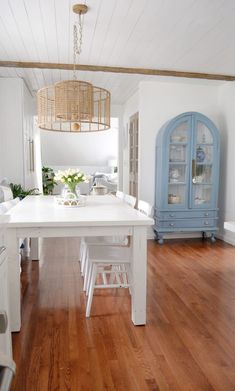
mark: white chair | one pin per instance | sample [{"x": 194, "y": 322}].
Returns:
[
  {"x": 109, "y": 266},
  {"x": 120, "y": 194},
  {"x": 4, "y": 207},
  {"x": 130, "y": 200},
  {"x": 145, "y": 207},
  {"x": 103, "y": 240}
]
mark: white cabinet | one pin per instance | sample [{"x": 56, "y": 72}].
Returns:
[
  {"x": 17, "y": 109},
  {"x": 5, "y": 337}
]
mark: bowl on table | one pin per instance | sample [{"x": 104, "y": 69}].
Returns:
[{"x": 99, "y": 190}]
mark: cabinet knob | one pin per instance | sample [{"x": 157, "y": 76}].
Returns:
[
  {"x": 206, "y": 214},
  {"x": 171, "y": 224},
  {"x": 172, "y": 215},
  {"x": 206, "y": 222}
]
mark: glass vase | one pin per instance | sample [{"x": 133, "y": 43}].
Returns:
[{"x": 71, "y": 191}]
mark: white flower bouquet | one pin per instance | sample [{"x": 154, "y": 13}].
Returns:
[{"x": 71, "y": 177}]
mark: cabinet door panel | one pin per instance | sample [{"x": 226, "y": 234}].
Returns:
[
  {"x": 203, "y": 174},
  {"x": 177, "y": 162},
  {"x": 203, "y": 180},
  {"x": 203, "y": 133},
  {"x": 180, "y": 132},
  {"x": 5, "y": 338},
  {"x": 202, "y": 195}
]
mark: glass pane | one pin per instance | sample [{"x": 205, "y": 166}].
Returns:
[
  {"x": 202, "y": 194},
  {"x": 204, "y": 154},
  {"x": 176, "y": 194},
  {"x": 177, "y": 153},
  {"x": 204, "y": 135},
  {"x": 203, "y": 173},
  {"x": 176, "y": 173},
  {"x": 179, "y": 134}
]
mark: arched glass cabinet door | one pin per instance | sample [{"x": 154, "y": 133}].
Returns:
[
  {"x": 178, "y": 163},
  {"x": 205, "y": 149}
]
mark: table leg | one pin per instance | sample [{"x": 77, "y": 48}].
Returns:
[
  {"x": 13, "y": 261},
  {"x": 27, "y": 247},
  {"x": 139, "y": 276}
]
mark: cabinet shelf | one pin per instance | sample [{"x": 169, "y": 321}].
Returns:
[
  {"x": 204, "y": 145},
  {"x": 204, "y": 163},
  {"x": 176, "y": 183},
  {"x": 177, "y": 162},
  {"x": 203, "y": 184},
  {"x": 178, "y": 143}
]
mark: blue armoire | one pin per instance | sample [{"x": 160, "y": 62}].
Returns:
[{"x": 187, "y": 176}]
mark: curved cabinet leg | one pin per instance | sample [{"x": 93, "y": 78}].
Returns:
[
  {"x": 213, "y": 239},
  {"x": 159, "y": 237},
  {"x": 203, "y": 235}
]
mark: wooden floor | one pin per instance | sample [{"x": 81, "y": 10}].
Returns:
[{"x": 187, "y": 344}]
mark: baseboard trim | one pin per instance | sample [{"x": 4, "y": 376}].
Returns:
[{"x": 227, "y": 237}]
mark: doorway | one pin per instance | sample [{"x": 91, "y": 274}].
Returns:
[{"x": 133, "y": 154}]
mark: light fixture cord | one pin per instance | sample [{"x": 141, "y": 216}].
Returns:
[{"x": 77, "y": 41}]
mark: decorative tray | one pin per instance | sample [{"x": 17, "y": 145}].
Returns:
[{"x": 71, "y": 202}]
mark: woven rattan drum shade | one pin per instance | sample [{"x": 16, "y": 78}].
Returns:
[
  {"x": 73, "y": 106},
  {"x": 73, "y": 100}
]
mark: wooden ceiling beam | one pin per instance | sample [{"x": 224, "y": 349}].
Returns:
[{"x": 100, "y": 68}]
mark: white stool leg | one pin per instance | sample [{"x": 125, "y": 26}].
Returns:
[
  {"x": 125, "y": 273},
  {"x": 91, "y": 290},
  {"x": 87, "y": 275},
  {"x": 104, "y": 278}
]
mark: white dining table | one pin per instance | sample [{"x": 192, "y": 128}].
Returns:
[{"x": 107, "y": 215}]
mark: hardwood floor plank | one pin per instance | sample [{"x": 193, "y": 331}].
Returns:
[{"x": 187, "y": 344}]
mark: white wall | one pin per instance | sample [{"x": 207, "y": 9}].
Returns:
[
  {"x": 85, "y": 149},
  {"x": 16, "y": 130},
  {"x": 227, "y": 181},
  {"x": 159, "y": 102},
  {"x": 11, "y": 119}
]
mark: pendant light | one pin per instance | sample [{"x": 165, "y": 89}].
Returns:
[{"x": 74, "y": 105}]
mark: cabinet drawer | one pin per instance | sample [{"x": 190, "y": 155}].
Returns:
[
  {"x": 186, "y": 214},
  {"x": 186, "y": 223}
]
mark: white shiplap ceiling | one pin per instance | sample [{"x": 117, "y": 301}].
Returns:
[{"x": 183, "y": 35}]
